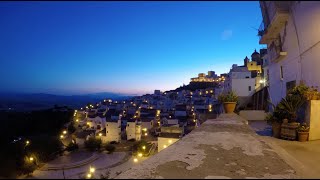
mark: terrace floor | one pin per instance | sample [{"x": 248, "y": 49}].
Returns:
[
  {"x": 225, "y": 147},
  {"x": 302, "y": 156}
]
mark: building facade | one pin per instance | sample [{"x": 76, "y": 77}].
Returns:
[{"x": 290, "y": 29}]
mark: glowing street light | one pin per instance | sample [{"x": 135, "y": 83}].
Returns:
[
  {"x": 89, "y": 175},
  {"x": 100, "y": 134},
  {"x": 27, "y": 142},
  {"x": 164, "y": 146},
  {"x": 146, "y": 134},
  {"x": 77, "y": 120},
  {"x": 64, "y": 132},
  {"x": 140, "y": 154},
  {"x": 135, "y": 160},
  {"x": 92, "y": 169},
  {"x": 144, "y": 147},
  {"x": 170, "y": 141},
  {"x": 31, "y": 159},
  {"x": 61, "y": 137}
]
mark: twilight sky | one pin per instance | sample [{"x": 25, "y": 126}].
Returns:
[{"x": 125, "y": 47}]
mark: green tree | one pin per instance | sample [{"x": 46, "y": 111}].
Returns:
[
  {"x": 71, "y": 128},
  {"x": 93, "y": 144},
  {"x": 110, "y": 148}
]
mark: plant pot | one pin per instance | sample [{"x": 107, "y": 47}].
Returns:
[
  {"x": 229, "y": 107},
  {"x": 303, "y": 136},
  {"x": 276, "y": 127},
  {"x": 289, "y": 130}
]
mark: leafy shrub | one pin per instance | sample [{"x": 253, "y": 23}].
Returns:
[
  {"x": 230, "y": 96},
  {"x": 137, "y": 146},
  {"x": 71, "y": 128},
  {"x": 28, "y": 167},
  {"x": 93, "y": 144},
  {"x": 113, "y": 142},
  {"x": 303, "y": 128},
  {"x": 290, "y": 105},
  {"x": 72, "y": 146},
  {"x": 109, "y": 147},
  {"x": 132, "y": 140}
]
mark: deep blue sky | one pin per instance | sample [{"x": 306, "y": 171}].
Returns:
[{"x": 126, "y": 47}]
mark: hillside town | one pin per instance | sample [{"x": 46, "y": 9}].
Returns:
[
  {"x": 271, "y": 129},
  {"x": 169, "y": 115}
]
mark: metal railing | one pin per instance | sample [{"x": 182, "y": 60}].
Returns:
[{"x": 261, "y": 30}]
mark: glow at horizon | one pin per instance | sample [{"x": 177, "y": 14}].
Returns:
[{"x": 123, "y": 47}]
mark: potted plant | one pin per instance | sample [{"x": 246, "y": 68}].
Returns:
[
  {"x": 290, "y": 106},
  {"x": 276, "y": 118},
  {"x": 229, "y": 101},
  {"x": 303, "y": 132},
  {"x": 309, "y": 93},
  {"x": 312, "y": 94}
]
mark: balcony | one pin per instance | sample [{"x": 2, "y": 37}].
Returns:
[{"x": 278, "y": 14}]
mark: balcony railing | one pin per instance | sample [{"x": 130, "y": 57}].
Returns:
[
  {"x": 275, "y": 16},
  {"x": 261, "y": 30}
]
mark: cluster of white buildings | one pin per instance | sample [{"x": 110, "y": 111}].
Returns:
[{"x": 162, "y": 114}]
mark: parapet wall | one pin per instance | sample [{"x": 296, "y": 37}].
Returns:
[{"x": 225, "y": 147}]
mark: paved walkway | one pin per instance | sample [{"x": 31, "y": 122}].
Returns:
[
  {"x": 104, "y": 161},
  {"x": 304, "y": 157},
  {"x": 225, "y": 147}
]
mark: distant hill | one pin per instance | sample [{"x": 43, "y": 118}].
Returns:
[
  {"x": 36, "y": 101},
  {"x": 192, "y": 86}
]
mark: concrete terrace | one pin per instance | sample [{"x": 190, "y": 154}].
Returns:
[{"x": 225, "y": 147}]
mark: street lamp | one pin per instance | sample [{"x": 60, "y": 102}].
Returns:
[
  {"x": 92, "y": 169},
  {"x": 64, "y": 132},
  {"x": 135, "y": 160},
  {"x": 89, "y": 175},
  {"x": 144, "y": 147},
  {"x": 27, "y": 143}
]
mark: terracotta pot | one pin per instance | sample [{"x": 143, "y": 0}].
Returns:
[
  {"x": 276, "y": 127},
  {"x": 229, "y": 107},
  {"x": 303, "y": 136}
]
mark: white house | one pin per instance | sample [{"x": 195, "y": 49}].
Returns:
[
  {"x": 240, "y": 81},
  {"x": 133, "y": 130},
  {"x": 96, "y": 122},
  {"x": 290, "y": 29},
  {"x": 113, "y": 130}
]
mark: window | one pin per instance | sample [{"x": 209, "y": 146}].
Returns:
[
  {"x": 247, "y": 77},
  {"x": 281, "y": 73},
  {"x": 249, "y": 88}
]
